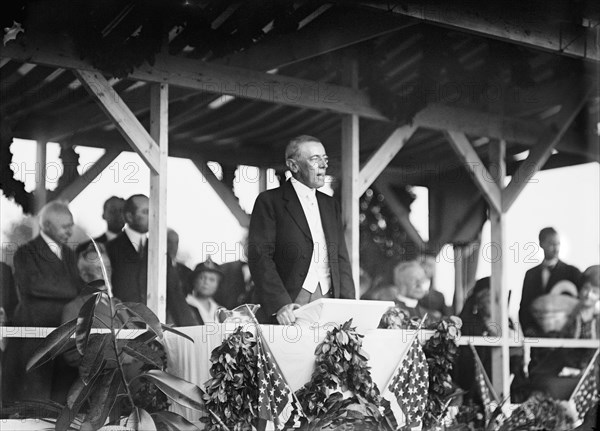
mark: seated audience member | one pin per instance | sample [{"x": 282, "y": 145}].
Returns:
[
  {"x": 434, "y": 299},
  {"x": 584, "y": 321},
  {"x": 47, "y": 278},
  {"x": 410, "y": 283},
  {"x": 541, "y": 279},
  {"x": 181, "y": 270},
  {"x": 204, "y": 282}
]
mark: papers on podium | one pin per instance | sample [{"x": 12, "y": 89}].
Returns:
[{"x": 328, "y": 311}]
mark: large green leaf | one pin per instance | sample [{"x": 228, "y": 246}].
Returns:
[
  {"x": 92, "y": 361},
  {"x": 144, "y": 353},
  {"x": 140, "y": 419},
  {"x": 144, "y": 313},
  {"x": 65, "y": 419},
  {"x": 170, "y": 421},
  {"x": 181, "y": 391},
  {"x": 175, "y": 331},
  {"x": 52, "y": 345},
  {"x": 103, "y": 399},
  {"x": 85, "y": 319}
]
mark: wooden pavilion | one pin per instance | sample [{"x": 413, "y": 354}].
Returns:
[{"x": 456, "y": 98}]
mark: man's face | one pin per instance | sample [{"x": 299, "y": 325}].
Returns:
[
  {"x": 310, "y": 164},
  {"x": 413, "y": 282},
  {"x": 551, "y": 246},
  {"x": 59, "y": 226},
  {"x": 206, "y": 284},
  {"x": 138, "y": 221},
  {"x": 113, "y": 214}
]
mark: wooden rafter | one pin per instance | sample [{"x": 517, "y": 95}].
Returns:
[
  {"x": 532, "y": 27},
  {"x": 72, "y": 190},
  {"x": 540, "y": 153},
  {"x": 224, "y": 192},
  {"x": 382, "y": 157},
  {"x": 125, "y": 121},
  {"x": 335, "y": 29},
  {"x": 469, "y": 158},
  {"x": 212, "y": 78}
]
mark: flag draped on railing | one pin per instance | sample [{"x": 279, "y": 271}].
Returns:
[
  {"x": 276, "y": 401},
  {"x": 488, "y": 395},
  {"x": 585, "y": 393},
  {"x": 409, "y": 386}
]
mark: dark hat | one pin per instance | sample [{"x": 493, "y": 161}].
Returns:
[{"x": 208, "y": 266}]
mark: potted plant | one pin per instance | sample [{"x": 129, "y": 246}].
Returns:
[{"x": 105, "y": 391}]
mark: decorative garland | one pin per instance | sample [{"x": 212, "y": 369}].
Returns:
[
  {"x": 232, "y": 392},
  {"x": 341, "y": 366}
]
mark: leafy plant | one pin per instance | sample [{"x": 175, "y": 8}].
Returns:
[
  {"x": 441, "y": 350},
  {"x": 340, "y": 369},
  {"x": 232, "y": 392},
  {"x": 103, "y": 381}
]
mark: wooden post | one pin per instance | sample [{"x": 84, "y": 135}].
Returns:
[
  {"x": 40, "y": 195},
  {"x": 350, "y": 175},
  {"x": 459, "y": 279},
  {"x": 157, "y": 251},
  {"x": 499, "y": 288}
]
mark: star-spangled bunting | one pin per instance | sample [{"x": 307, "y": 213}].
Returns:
[
  {"x": 488, "y": 395},
  {"x": 276, "y": 401},
  {"x": 410, "y": 385},
  {"x": 586, "y": 391}
]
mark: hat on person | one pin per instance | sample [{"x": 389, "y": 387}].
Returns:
[
  {"x": 564, "y": 287},
  {"x": 208, "y": 266}
]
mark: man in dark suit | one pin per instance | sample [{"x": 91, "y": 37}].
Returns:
[
  {"x": 540, "y": 279},
  {"x": 112, "y": 213},
  {"x": 128, "y": 254},
  {"x": 296, "y": 247},
  {"x": 47, "y": 278}
]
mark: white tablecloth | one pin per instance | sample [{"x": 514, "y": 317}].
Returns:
[{"x": 293, "y": 347}]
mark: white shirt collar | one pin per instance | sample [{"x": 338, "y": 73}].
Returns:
[
  {"x": 208, "y": 314},
  {"x": 302, "y": 189},
  {"x": 135, "y": 237},
  {"x": 550, "y": 263},
  {"x": 54, "y": 246},
  {"x": 409, "y": 302}
]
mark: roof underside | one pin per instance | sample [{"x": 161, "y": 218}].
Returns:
[{"x": 404, "y": 64}]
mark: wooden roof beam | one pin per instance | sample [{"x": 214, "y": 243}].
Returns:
[
  {"x": 125, "y": 121},
  {"x": 382, "y": 157},
  {"x": 224, "y": 192},
  {"x": 335, "y": 29},
  {"x": 531, "y": 26},
  {"x": 212, "y": 78},
  {"x": 473, "y": 164}
]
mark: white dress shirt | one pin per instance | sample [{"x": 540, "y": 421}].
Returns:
[
  {"x": 54, "y": 246},
  {"x": 318, "y": 271},
  {"x": 136, "y": 238}
]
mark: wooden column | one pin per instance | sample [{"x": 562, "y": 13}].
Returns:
[
  {"x": 157, "y": 252},
  {"x": 350, "y": 177},
  {"x": 499, "y": 288},
  {"x": 459, "y": 278},
  {"x": 40, "y": 195}
]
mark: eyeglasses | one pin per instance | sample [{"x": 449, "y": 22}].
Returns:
[{"x": 318, "y": 160}]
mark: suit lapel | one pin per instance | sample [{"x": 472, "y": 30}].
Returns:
[
  {"x": 48, "y": 255},
  {"x": 326, "y": 214},
  {"x": 294, "y": 208}
]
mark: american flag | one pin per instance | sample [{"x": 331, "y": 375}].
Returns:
[
  {"x": 409, "y": 385},
  {"x": 586, "y": 391},
  {"x": 488, "y": 395},
  {"x": 276, "y": 401}
]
